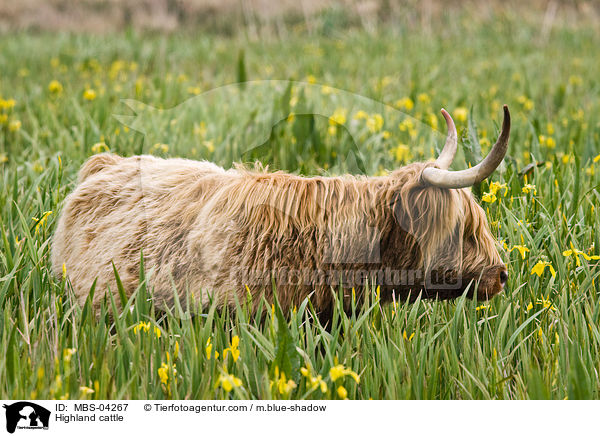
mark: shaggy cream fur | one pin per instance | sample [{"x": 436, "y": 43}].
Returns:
[{"x": 223, "y": 234}]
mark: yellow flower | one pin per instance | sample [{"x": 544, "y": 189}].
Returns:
[
  {"x": 3, "y": 118},
  {"x": 597, "y": 159},
  {"x": 99, "y": 147},
  {"x": 541, "y": 266},
  {"x": 460, "y": 113},
  {"x": 521, "y": 248},
  {"x": 229, "y": 381},
  {"x": 194, "y": 90},
  {"x": 89, "y": 94},
  {"x": 576, "y": 253},
  {"x": 208, "y": 350},
  {"x": 401, "y": 152},
  {"x": 139, "y": 85},
  {"x": 488, "y": 197},
  {"x": 526, "y": 102},
  {"x": 496, "y": 186},
  {"x": 405, "y": 103},
  {"x": 176, "y": 351},
  {"x": 338, "y": 117},
  {"x": 336, "y": 372},
  {"x": 375, "y": 123},
  {"x": 210, "y": 146},
  {"x": 590, "y": 171},
  {"x": 546, "y": 303},
  {"x": 235, "y": 353},
  {"x": 145, "y": 327},
  {"x": 68, "y": 353},
  {"x": 339, "y": 371},
  {"x": 284, "y": 386},
  {"x": 3, "y": 158},
  {"x": 141, "y": 326},
  {"x": 86, "y": 391},
  {"x": 361, "y": 115},
  {"x": 547, "y": 141},
  {"x": 163, "y": 373},
  {"x": 529, "y": 306},
  {"x": 432, "y": 120},
  {"x": 41, "y": 222},
  {"x": 542, "y": 139},
  {"x": 200, "y": 129},
  {"x": 423, "y": 98},
  {"x": 529, "y": 188},
  {"x": 314, "y": 382},
  {"x": 482, "y": 307},
  {"x": 55, "y": 87},
  {"x": 575, "y": 80},
  {"x": 406, "y": 125},
  {"x": 14, "y": 125},
  {"x": 577, "y": 115},
  {"x": 406, "y": 337},
  {"x": 342, "y": 392},
  {"x": 161, "y": 147},
  {"x": 326, "y": 90},
  {"x": 7, "y": 104}
]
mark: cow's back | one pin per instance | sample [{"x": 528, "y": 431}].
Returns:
[{"x": 123, "y": 206}]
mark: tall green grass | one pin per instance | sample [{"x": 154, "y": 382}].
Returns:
[{"x": 540, "y": 339}]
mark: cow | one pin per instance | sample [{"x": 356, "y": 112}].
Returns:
[{"x": 210, "y": 234}]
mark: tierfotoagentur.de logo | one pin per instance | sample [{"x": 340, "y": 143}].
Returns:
[{"x": 25, "y": 415}]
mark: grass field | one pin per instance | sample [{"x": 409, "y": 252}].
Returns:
[{"x": 540, "y": 339}]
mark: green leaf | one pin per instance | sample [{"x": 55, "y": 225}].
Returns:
[
  {"x": 242, "y": 76},
  {"x": 287, "y": 358}
]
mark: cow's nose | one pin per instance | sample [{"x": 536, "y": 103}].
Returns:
[{"x": 503, "y": 277}]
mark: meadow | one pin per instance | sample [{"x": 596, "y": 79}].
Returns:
[{"x": 540, "y": 339}]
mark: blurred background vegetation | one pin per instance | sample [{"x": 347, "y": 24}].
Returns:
[{"x": 260, "y": 18}]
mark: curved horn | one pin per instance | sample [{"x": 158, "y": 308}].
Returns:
[
  {"x": 446, "y": 157},
  {"x": 443, "y": 178}
]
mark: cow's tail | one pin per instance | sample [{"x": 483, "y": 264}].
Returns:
[{"x": 96, "y": 164}]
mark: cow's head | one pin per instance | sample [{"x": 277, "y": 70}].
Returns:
[{"x": 446, "y": 228}]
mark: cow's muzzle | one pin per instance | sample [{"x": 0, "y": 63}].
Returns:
[{"x": 492, "y": 281}]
